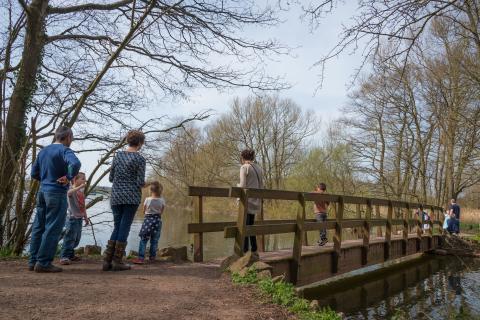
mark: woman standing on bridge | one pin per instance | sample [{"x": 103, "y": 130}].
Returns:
[
  {"x": 127, "y": 175},
  {"x": 251, "y": 176}
]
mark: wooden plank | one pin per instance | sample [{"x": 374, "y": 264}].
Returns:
[
  {"x": 241, "y": 223},
  {"x": 261, "y": 239},
  {"x": 208, "y": 226},
  {"x": 267, "y": 194},
  {"x": 388, "y": 233},
  {"x": 208, "y": 192},
  {"x": 198, "y": 237},
  {"x": 400, "y": 204},
  {"x": 358, "y": 211},
  {"x": 312, "y": 196},
  {"x": 366, "y": 233},
  {"x": 315, "y": 226},
  {"x": 397, "y": 222},
  {"x": 379, "y": 226},
  {"x": 378, "y": 223},
  {"x": 380, "y": 202},
  {"x": 337, "y": 237},
  {"x": 352, "y": 223},
  {"x": 256, "y": 230},
  {"x": 406, "y": 216},
  {"x": 295, "y": 264},
  {"x": 354, "y": 200}
]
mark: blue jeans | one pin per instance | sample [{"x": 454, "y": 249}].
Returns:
[
  {"x": 73, "y": 233},
  {"x": 153, "y": 244},
  {"x": 123, "y": 215},
  {"x": 47, "y": 227}
]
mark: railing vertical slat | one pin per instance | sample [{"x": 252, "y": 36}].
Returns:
[
  {"x": 296, "y": 263},
  {"x": 358, "y": 210},
  {"x": 261, "y": 239},
  {"x": 388, "y": 231},
  {"x": 198, "y": 237},
  {"x": 241, "y": 223},
  {"x": 366, "y": 232},
  {"x": 377, "y": 215},
  {"x": 337, "y": 238},
  {"x": 406, "y": 216}
]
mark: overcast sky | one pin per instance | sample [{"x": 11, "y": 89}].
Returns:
[{"x": 297, "y": 69}]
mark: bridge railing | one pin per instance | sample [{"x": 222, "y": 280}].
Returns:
[{"x": 299, "y": 226}]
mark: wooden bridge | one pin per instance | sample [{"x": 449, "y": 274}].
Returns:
[{"x": 304, "y": 264}]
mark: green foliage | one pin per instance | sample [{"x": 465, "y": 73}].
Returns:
[
  {"x": 283, "y": 293},
  {"x": 6, "y": 252}
]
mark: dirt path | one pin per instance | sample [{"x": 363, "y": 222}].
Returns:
[{"x": 155, "y": 291}]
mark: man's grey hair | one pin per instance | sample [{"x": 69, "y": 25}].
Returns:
[{"x": 63, "y": 133}]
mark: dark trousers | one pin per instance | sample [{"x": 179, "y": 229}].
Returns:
[
  {"x": 123, "y": 215},
  {"x": 253, "y": 239},
  {"x": 321, "y": 217}
]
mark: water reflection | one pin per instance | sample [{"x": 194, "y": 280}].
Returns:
[{"x": 435, "y": 288}]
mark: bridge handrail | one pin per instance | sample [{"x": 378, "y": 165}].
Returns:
[{"x": 272, "y": 194}]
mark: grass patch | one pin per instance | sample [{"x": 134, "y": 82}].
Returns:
[
  {"x": 283, "y": 293},
  {"x": 6, "y": 252}
]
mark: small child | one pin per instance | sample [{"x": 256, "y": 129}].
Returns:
[
  {"x": 152, "y": 224},
  {"x": 445, "y": 221},
  {"x": 320, "y": 209},
  {"x": 73, "y": 225}
]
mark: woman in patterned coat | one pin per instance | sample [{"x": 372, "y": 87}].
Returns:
[{"x": 127, "y": 175}]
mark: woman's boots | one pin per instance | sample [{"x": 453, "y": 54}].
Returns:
[
  {"x": 117, "y": 263},
  {"x": 108, "y": 255}
]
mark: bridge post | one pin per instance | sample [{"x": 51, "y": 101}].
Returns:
[
  {"x": 419, "y": 232},
  {"x": 366, "y": 232},
  {"x": 198, "y": 237},
  {"x": 296, "y": 263},
  {"x": 377, "y": 216},
  {"x": 406, "y": 216},
  {"x": 358, "y": 210},
  {"x": 241, "y": 222},
  {"x": 261, "y": 239},
  {"x": 388, "y": 232},
  {"x": 337, "y": 237}
]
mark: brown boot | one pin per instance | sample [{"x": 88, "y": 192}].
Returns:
[
  {"x": 117, "y": 263},
  {"x": 108, "y": 256}
]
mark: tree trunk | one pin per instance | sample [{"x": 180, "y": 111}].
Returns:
[{"x": 15, "y": 127}]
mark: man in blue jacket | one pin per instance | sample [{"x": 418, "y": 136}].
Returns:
[{"x": 54, "y": 167}]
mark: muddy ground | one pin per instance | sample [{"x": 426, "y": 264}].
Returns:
[{"x": 153, "y": 291}]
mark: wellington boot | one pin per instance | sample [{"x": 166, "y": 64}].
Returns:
[
  {"x": 117, "y": 263},
  {"x": 108, "y": 256}
]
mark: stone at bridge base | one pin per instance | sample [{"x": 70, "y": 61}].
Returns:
[
  {"x": 228, "y": 261},
  {"x": 92, "y": 250},
  {"x": 177, "y": 254},
  {"x": 314, "y": 305},
  {"x": 243, "y": 262}
]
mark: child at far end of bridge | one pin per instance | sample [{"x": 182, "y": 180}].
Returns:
[
  {"x": 153, "y": 208},
  {"x": 320, "y": 209},
  {"x": 76, "y": 213}
]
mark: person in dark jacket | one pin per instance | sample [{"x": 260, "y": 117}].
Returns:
[
  {"x": 55, "y": 166},
  {"x": 127, "y": 175}
]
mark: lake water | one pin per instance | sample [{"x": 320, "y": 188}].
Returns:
[{"x": 432, "y": 288}]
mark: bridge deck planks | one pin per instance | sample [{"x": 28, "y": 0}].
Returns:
[{"x": 286, "y": 254}]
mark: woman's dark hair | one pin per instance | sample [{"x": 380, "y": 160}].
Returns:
[
  {"x": 156, "y": 187},
  {"x": 135, "y": 138},
  {"x": 63, "y": 133},
  {"x": 248, "y": 154}
]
